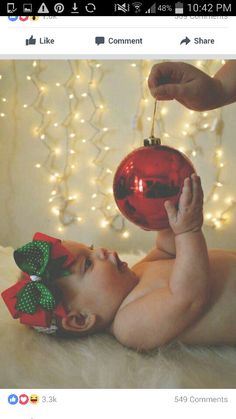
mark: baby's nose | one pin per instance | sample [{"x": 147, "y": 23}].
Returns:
[{"x": 102, "y": 253}]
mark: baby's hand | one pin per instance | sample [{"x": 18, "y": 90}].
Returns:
[{"x": 189, "y": 215}]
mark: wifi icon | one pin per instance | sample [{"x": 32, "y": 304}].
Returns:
[{"x": 137, "y": 5}]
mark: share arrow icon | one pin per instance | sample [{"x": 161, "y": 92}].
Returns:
[{"x": 186, "y": 41}]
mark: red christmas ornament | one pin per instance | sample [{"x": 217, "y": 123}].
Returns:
[{"x": 145, "y": 179}]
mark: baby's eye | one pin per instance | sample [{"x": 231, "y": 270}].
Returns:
[{"x": 87, "y": 264}]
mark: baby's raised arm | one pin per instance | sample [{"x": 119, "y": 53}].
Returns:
[
  {"x": 162, "y": 314},
  {"x": 191, "y": 268}
]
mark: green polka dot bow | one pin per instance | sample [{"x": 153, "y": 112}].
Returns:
[
  {"x": 35, "y": 294},
  {"x": 35, "y": 259}
]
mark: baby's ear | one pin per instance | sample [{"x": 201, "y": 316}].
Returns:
[{"x": 79, "y": 322}]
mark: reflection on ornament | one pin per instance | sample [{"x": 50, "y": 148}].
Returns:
[{"x": 145, "y": 179}]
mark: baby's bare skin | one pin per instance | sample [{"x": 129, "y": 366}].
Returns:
[
  {"x": 179, "y": 292},
  {"x": 217, "y": 323}
]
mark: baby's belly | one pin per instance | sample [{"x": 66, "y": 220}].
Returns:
[{"x": 218, "y": 323}]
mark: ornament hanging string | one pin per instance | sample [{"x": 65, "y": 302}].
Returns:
[{"x": 153, "y": 120}]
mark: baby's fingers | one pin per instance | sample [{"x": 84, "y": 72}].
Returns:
[
  {"x": 197, "y": 190},
  {"x": 186, "y": 195},
  {"x": 171, "y": 210}
]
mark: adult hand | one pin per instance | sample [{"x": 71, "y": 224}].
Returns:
[{"x": 187, "y": 84}]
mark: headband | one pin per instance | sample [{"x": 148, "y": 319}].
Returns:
[{"x": 31, "y": 300}]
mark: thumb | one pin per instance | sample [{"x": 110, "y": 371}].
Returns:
[
  {"x": 166, "y": 91},
  {"x": 170, "y": 209}
]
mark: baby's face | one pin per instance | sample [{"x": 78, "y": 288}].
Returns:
[{"x": 99, "y": 281}]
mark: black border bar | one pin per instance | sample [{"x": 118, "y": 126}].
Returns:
[{"x": 120, "y": 8}]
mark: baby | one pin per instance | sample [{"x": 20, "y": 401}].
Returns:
[{"x": 179, "y": 291}]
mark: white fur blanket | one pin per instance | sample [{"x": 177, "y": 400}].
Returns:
[{"x": 31, "y": 360}]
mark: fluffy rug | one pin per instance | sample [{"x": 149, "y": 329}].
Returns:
[{"x": 31, "y": 360}]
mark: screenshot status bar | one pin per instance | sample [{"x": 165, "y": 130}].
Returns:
[{"x": 136, "y": 8}]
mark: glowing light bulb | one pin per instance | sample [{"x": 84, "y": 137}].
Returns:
[
  {"x": 229, "y": 200},
  {"x": 38, "y": 165},
  {"x": 215, "y": 197},
  {"x": 125, "y": 235},
  {"x": 164, "y": 111},
  {"x": 104, "y": 223},
  {"x": 218, "y": 224},
  {"x": 55, "y": 211}
]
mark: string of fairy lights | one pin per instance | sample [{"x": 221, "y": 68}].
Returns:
[
  {"x": 82, "y": 123},
  {"x": 78, "y": 92}
]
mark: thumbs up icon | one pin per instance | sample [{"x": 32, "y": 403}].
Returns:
[{"x": 30, "y": 41}]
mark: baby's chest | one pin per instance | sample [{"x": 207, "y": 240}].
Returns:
[{"x": 153, "y": 275}]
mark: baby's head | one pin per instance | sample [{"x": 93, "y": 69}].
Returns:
[
  {"x": 94, "y": 290},
  {"x": 88, "y": 290}
]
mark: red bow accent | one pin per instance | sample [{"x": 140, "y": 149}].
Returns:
[{"x": 41, "y": 318}]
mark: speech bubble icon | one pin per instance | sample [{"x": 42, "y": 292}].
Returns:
[{"x": 100, "y": 40}]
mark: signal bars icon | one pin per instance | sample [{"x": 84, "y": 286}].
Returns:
[{"x": 152, "y": 10}]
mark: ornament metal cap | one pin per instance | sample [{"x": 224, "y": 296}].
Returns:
[{"x": 151, "y": 141}]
